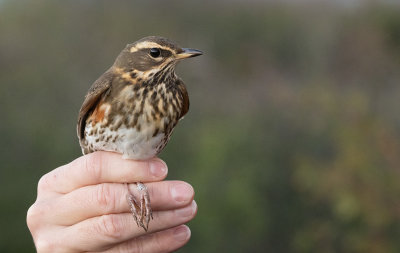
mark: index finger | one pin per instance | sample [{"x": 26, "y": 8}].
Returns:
[{"x": 101, "y": 167}]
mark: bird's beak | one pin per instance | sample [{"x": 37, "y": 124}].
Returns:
[{"x": 188, "y": 52}]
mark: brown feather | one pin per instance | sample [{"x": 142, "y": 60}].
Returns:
[
  {"x": 95, "y": 93},
  {"x": 184, "y": 96},
  {"x": 185, "y": 107}
]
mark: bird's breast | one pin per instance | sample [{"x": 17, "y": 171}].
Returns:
[{"x": 136, "y": 121}]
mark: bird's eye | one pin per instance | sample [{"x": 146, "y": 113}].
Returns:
[{"x": 155, "y": 52}]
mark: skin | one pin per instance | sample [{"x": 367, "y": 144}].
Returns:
[{"x": 82, "y": 207}]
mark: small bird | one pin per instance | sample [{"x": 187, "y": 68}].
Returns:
[{"x": 134, "y": 106}]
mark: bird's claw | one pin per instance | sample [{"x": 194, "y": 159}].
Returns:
[{"x": 141, "y": 210}]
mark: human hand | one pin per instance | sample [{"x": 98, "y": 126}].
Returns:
[{"x": 82, "y": 207}]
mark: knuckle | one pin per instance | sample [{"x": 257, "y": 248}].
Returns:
[
  {"x": 45, "y": 245},
  {"x": 109, "y": 226},
  {"x": 105, "y": 196},
  {"x": 159, "y": 246},
  {"x": 48, "y": 182},
  {"x": 138, "y": 247},
  {"x": 92, "y": 165},
  {"x": 44, "y": 183},
  {"x": 33, "y": 216},
  {"x": 135, "y": 245}
]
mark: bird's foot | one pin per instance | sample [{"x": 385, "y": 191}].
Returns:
[{"x": 140, "y": 207}]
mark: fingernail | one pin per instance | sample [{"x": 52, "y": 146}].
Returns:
[
  {"x": 182, "y": 192},
  {"x": 158, "y": 168},
  {"x": 187, "y": 211},
  {"x": 182, "y": 233}
]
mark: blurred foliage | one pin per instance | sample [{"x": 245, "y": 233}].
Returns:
[{"x": 292, "y": 140}]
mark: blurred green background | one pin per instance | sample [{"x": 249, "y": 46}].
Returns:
[{"x": 292, "y": 142}]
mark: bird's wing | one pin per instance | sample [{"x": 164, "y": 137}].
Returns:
[
  {"x": 185, "y": 98},
  {"x": 98, "y": 88}
]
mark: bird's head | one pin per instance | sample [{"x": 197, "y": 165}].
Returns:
[{"x": 151, "y": 55}]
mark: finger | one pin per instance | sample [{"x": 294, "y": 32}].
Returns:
[
  {"x": 103, "y": 232},
  {"x": 107, "y": 198},
  {"x": 163, "y": 241},
  {"x": 101, "y": 167}
]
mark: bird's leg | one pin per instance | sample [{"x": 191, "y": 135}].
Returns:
[{"x": 141, "y": 210}]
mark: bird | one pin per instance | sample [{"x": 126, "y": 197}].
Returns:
[{"x": 133, "y": 108}]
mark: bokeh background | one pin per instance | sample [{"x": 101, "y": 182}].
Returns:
[{"x": 292, "y": 142}]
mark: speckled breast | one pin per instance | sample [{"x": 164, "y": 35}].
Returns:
[{"x": 134, "y": 120}]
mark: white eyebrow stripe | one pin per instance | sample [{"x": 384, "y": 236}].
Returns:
[{"x": 146, "y": 44}]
